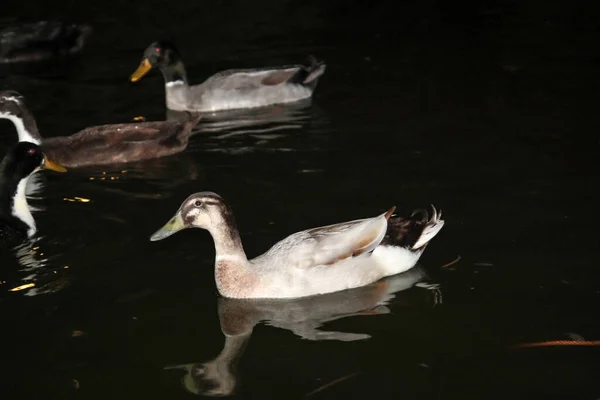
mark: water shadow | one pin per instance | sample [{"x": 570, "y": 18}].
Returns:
[
  {"x": 303, "y": 317},
  {"x": 27, "y": 270},
  {"x": 243, "y": 131}
]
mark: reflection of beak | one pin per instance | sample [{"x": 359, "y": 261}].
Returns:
[
  {"x": 171, "y": 227},
  {"x": 53, "y": 166},
  {"x": 187, "y": 381},
  {"x": 141, "y": 70}
]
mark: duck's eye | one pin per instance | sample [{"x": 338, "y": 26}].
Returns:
[{"x": 198, "y": 203}]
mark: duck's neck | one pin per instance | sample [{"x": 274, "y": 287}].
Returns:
[
  {"x": 228, "y": 245},
  {"x": 233, "y": 349},
  {"x": 25, "y": 124},
  {"x": 174, "y": 74},
  {"x": 14, "y": 202}
]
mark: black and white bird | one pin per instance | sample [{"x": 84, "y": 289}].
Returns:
[{"x": 23, "y": 160}]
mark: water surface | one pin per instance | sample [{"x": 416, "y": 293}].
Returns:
[{"x": 487, "y": 110}]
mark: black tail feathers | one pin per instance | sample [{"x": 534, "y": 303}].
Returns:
[{"x": 308, "y": 75}]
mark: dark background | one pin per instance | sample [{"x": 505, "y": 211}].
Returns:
[{"x": 487, "y": 109}]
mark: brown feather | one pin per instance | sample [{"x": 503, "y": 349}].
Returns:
[
  {"x": 278, "y": 77},
  {"x": 389, "y": 212},
  {"x": 405, "y": 232},
  {"x": 359, "y": 247},
  {"x": 363, "y": 244},
  {"x": 119, "y": 143}
]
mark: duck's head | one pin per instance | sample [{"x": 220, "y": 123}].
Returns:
[
  {"x": 206, "y": 210},
  {"x": 161, "y": 55},
  {"x": 13, "y": 108},
  {"x": 11, "y": 104},
  {"x": 24, "y": 159}
]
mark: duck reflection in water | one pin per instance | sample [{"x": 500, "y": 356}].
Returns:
[
  {"x": 303, "y": 317},
  {"x": 25, "y": 269},
  {"x": 243, "y": 131}
]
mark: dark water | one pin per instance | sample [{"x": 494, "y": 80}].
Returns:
[{"x": 489, "y": 110}]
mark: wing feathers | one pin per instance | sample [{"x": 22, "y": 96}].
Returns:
[
  {"x": 277, "y": 77},
  {"x": 334, "y": 243}
]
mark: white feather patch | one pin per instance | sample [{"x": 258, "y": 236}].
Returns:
[
  {"x": 394, "y": 260},
  {"x": 24, "y": 135},
  {"x": 174, "y": 83},
  {"x": 21, "y": 208},
  {"x": 11, "y": 98}
]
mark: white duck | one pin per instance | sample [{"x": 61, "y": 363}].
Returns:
[
  {"x": 229, "y": 89},
  {"x": 315, "y": 261}
]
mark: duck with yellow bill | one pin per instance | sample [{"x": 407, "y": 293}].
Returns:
[
  {"x": 314, "y": 261},
  {"x": 22, "y": 161},
  {"x": 230, "y": 89}
]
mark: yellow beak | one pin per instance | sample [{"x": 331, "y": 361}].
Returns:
[
  {"x": 53, "y": 166},
  {"x": 141, "y": 71}
]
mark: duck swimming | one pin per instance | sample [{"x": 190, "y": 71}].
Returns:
[
  {"x": 315, "y": 261},
  {"x": 230, "y": 89},
  {"x": 18, "y": 165},
  {"x": 97, "y": 145},
  {"x": 39, "y": 41}
]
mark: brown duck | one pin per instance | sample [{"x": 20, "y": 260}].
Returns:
[{"x": 103, "y": 144}]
